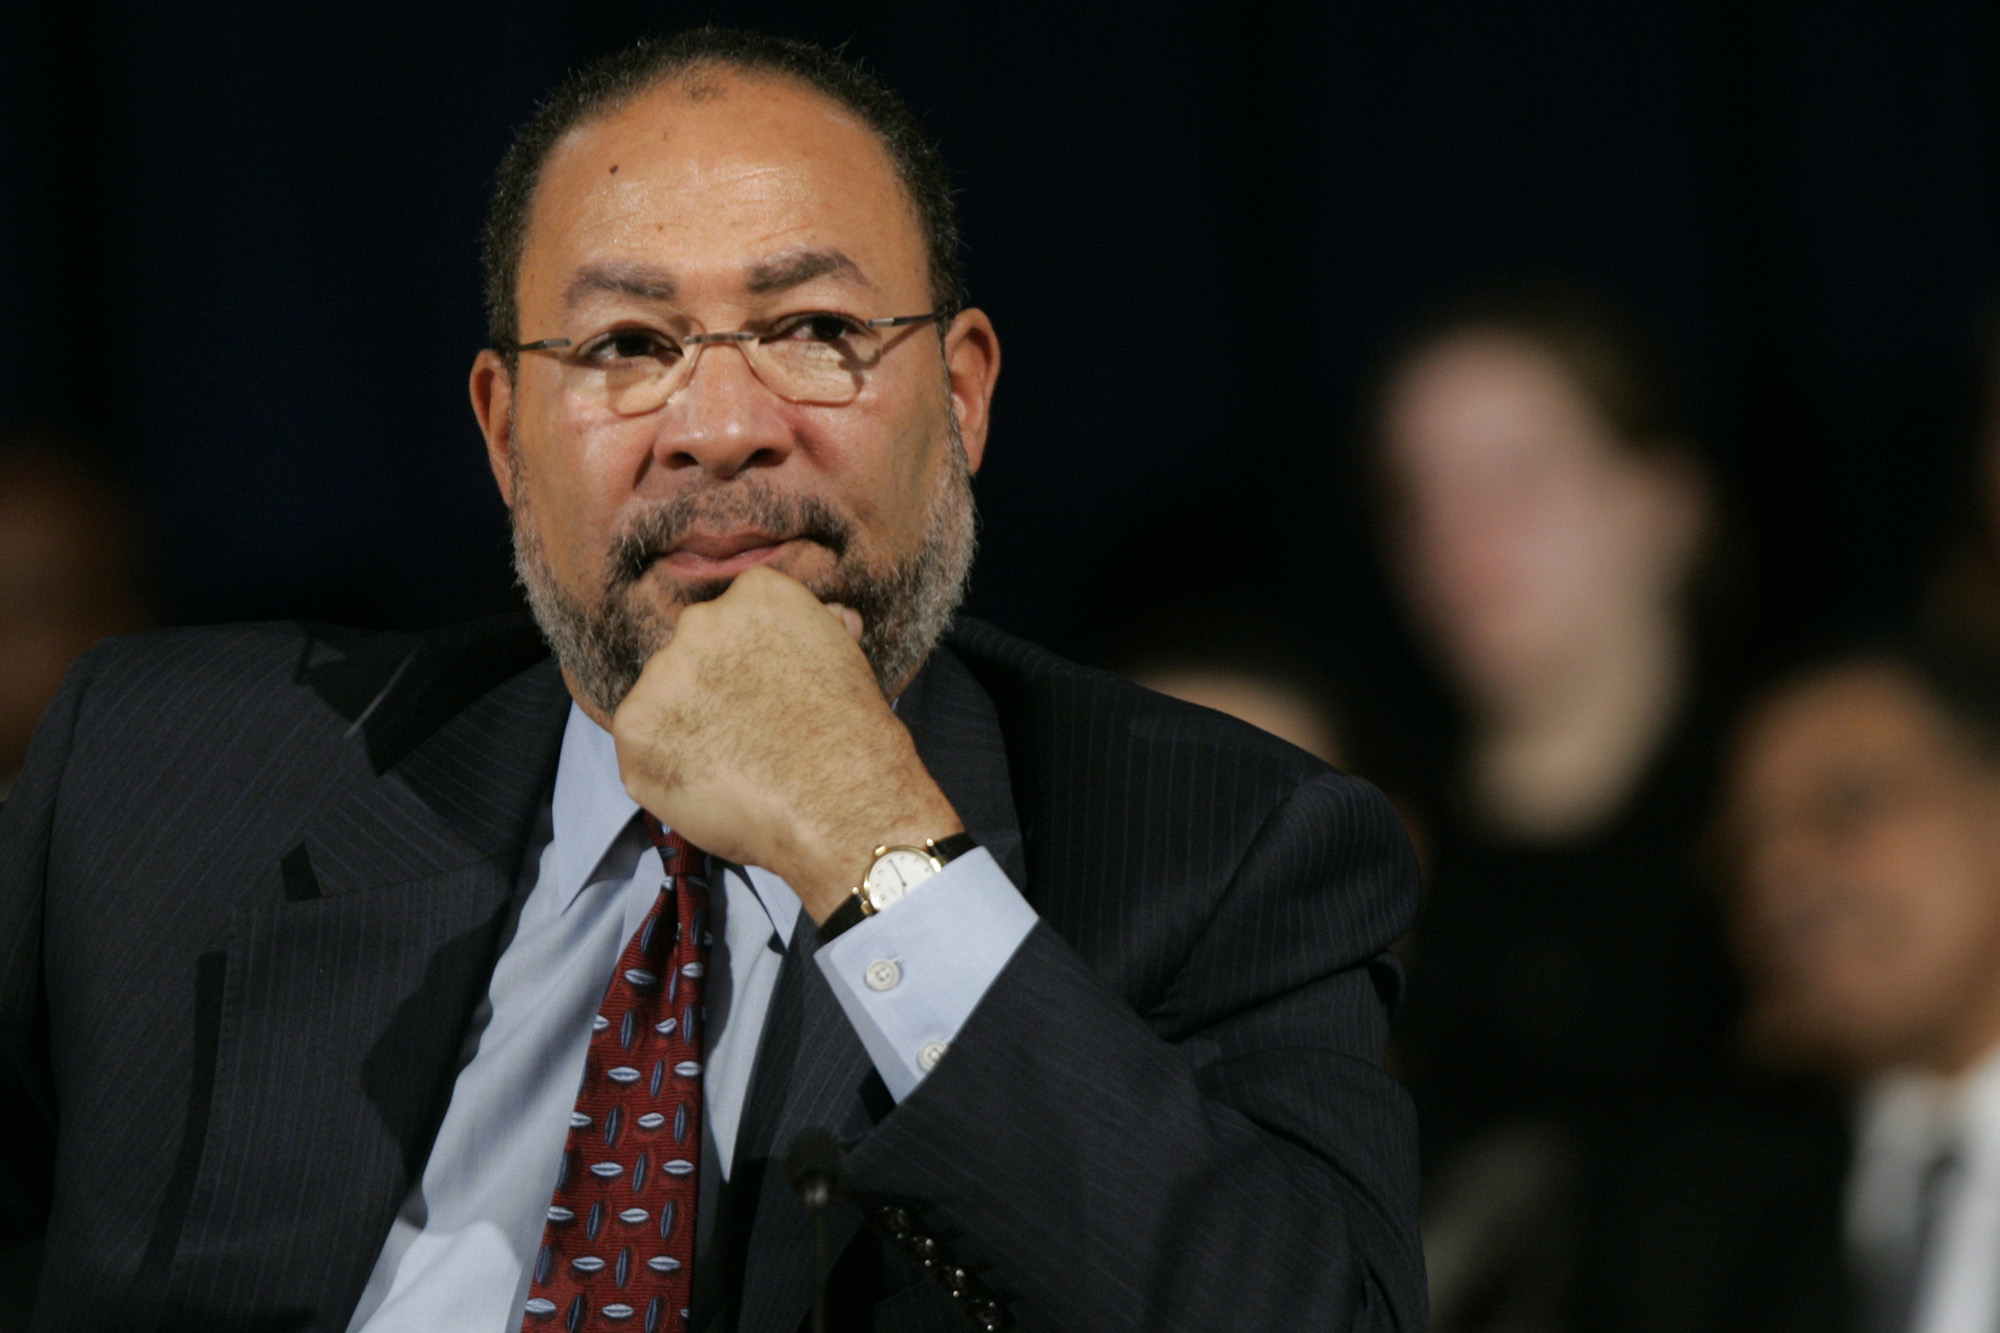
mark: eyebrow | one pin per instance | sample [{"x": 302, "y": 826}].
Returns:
[
  {"x": 651, "y": 282},
  {"x": 648, "y": 282},
  {"x": 794, "y": 268}
]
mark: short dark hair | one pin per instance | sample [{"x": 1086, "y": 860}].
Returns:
[
  {"x": 1612, "y": 361},
  {"x": 607, "y": 84},
  {"x": 1957, "y": 676}
]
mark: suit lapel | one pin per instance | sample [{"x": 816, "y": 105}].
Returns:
[
  {"x": 811, "y": 1072},
  {"x": 345, "y": 1001},
  {"x": 958, "y": 737},
  {"x": 811, "y": 1069}
]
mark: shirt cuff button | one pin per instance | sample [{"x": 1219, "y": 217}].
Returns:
[
  {"x": 882, "y": 974},
  {"x": 930, "y": 1053}
]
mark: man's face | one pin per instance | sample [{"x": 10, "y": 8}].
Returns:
[
  {"x": 1866, "y": 902},
  {"x": 721, "y": 203}
]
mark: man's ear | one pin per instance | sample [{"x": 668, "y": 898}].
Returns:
[
  {"x": 972, "y": 362},
  {"x": 493, "y": 403}
]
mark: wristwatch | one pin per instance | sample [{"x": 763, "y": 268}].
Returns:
[{"x": 894, "y": 872}]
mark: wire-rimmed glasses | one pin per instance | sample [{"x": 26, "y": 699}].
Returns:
[{"x": 816, "y": 357}]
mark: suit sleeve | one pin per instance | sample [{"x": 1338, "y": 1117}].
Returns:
[
  {"x": 27, "y": 1093},
  {"x": 1235, "y": 1158}
]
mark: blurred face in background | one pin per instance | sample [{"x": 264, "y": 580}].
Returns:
[
  {"x": 1523, "y": 532},
  {"x": 1865, "y": 906},
  {"x": 65, "y": 583}
]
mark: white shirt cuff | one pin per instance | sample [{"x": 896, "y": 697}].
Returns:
[{"x": 910, "y": 976}]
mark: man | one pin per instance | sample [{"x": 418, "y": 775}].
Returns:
[
  {"x": 311, "y": 931},
  {"x": 1863, "y": 830}
]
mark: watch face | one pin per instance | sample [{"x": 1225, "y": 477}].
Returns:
[{"x": 895, "y": 872}]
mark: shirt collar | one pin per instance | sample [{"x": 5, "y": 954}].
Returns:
[
  {"x": 1915, "y": 1112},
  {"x": 592, "y": 813}
]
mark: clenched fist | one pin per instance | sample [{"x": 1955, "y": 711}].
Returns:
[{"x": 759, "y": 734}]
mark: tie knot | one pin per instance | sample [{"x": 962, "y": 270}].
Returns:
[{"x": 676, "y": 852}]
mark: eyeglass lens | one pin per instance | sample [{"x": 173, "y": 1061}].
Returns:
[{"x": 802, "y": 369}]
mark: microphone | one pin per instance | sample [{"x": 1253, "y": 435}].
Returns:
[{"x": 813, "y": 1167}]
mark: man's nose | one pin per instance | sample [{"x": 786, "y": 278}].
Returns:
[{"x": 723, "y": 419}]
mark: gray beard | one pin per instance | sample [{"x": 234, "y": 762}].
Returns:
[{"x": 905, "y": 607}]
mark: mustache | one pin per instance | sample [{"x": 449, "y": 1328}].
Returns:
[{"x": 657, "y": 529}]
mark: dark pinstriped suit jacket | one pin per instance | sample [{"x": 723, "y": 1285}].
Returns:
[{"x": 253, "y": 883}]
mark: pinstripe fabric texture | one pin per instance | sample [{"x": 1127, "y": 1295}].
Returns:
[
  {"x": 279, "y": 947},
  {"x": 1169, "y": 1112}
]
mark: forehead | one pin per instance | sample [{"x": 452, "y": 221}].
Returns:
[
  {"x": 1855, "y": 718},
  {"x": 1484, "y": 396},
  {"x": 710, "y": 174}
]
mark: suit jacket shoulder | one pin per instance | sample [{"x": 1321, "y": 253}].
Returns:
[
  {"x": 1115, "y": 784},
  {"x": 252, "y": 880}
]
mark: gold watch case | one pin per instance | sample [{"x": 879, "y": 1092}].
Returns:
[{"x": 896, "y": 869}]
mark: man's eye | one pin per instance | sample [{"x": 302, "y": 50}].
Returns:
[
  {"x": 630, "y": 345},
  {"x": 821, "y": 327}
]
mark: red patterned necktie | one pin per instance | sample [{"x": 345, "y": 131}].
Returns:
[{"x": 618, "y": 1249}]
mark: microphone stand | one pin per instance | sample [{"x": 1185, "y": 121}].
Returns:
[{"x": 813, "y": 1164}]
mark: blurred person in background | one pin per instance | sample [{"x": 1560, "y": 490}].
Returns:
[
  {"x": 1219, "y": 653},
  {"x": 1865, "y": 806},
  {"x": 1862, "y": 856},
  {"x": 1252, "y": 664},
  {"x": 1275, "y": 701},
  {"x": 68, "y": 577},
  {"x": 1544, "y": 519}
]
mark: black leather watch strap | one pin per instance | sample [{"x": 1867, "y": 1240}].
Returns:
[
  {"x": 845, "y": 917},
  {"x": 947, "y": 850},
  {"x": 850, "y": 914}
]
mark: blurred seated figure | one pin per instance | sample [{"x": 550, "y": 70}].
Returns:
[
  {"x": 1864, "y": 820},
  {"x": 1250, "y": 676},
  {"x": 1544, "y": 517},
  {"x": 1267, "y": 701},
  {"x": 67, "y": 579},
  {"x": 1256, "y": 660},
  {"x": 1851, "y": 1180}
]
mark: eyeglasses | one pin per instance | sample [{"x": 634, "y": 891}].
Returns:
[{"x": 816, "y": 357}]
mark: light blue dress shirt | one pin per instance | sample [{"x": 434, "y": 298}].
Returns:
[{"x": 460, "y": 1251}]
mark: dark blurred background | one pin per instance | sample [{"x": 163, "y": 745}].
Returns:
[{"x": 237, "y": 252}]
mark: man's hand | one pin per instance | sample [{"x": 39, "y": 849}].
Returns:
[{"x": 759, "y": 734}]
